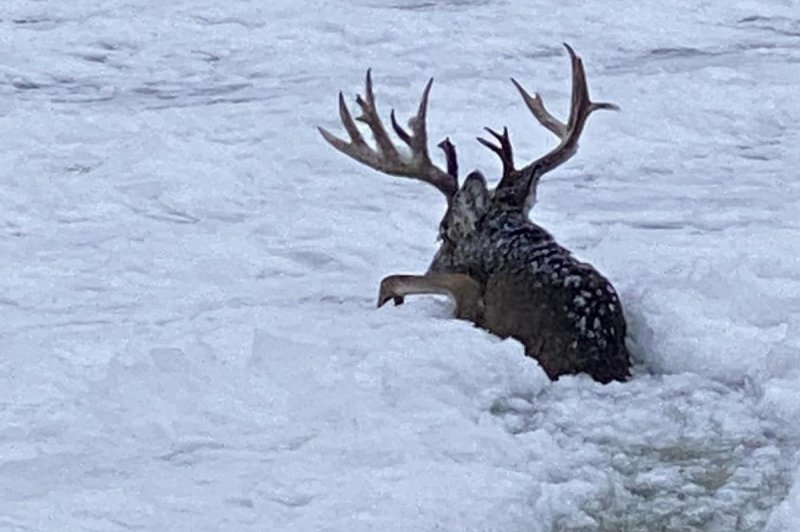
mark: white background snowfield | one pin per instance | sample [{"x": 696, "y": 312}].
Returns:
[{"x": 188, "y": 338}]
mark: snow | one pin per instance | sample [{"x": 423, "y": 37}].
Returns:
[{"x": 189, "y": 336}]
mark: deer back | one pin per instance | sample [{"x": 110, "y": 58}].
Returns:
[{"x": 564, "y": 311}]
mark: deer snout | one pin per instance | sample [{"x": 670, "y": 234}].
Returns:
[{"x": 389, "y": 290}]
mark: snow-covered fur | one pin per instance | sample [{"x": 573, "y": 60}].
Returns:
[{"x": 563, "y": 310}]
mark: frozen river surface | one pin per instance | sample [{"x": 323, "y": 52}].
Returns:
[{"x": 189, "y": 340}]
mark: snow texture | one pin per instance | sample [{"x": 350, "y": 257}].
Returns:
[{"x": 189, "y": 338}]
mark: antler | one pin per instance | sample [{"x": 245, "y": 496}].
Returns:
[
  {"x": 502, "y": 149},
  {"x": 386, "y": 158},
  {"x": 580, "y": 109}
]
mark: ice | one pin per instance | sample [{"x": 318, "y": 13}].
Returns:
[{"x": 189, "y": 336}]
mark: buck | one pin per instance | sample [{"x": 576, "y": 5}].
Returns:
[{"x": 504, "y": 273}]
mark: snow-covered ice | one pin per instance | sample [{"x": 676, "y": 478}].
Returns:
[{"x": 189, "y": 339}]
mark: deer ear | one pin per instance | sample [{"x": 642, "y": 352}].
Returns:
[{"x": 469, "y": 205}]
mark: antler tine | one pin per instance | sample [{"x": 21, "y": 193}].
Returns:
[
  {"x": 402, "y": 133},
  {"x": 502, "y": 149},
  {"x": 418, "y": 123},
  {"x": 418, "y": 139},
  {"x": 449, "y": 150},
  {"x": 373, "y": 120},
  {"x": 580, "y": 109},
  {"x": 536, "y": 106},
  {"x": 387, "y": 158},
  {"x": 357, "y": 143}
]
